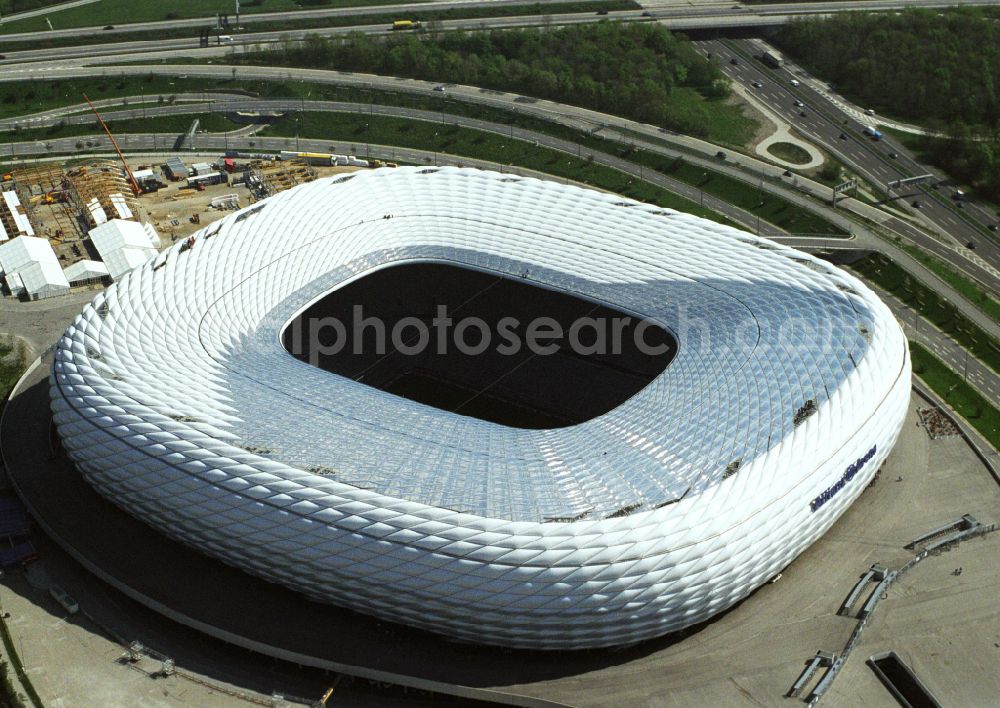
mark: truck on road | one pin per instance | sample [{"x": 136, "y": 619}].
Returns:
[
  {"x": 772, "y": 59},
  {"x": 872, "y": 132}
]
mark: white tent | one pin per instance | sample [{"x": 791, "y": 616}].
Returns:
[
  {"x": 29, "y": 263},
  {"x": 85, "y": 270},
  {"x": 123, "y": 245},
  {"x": 120, "y": 205},
  {"x": 17, "y": 212},
  {"x": 97, "y": 211}
]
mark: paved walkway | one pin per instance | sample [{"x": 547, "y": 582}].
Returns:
[
  {"x": 42, "y": 322},
  {"x": 782, "y": 134},
  {"x": 751, "y": 653}
]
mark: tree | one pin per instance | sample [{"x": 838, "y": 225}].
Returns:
[{"x": 626, "y": 68}]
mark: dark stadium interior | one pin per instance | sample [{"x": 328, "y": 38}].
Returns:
[{"x": 523, "y": 389}]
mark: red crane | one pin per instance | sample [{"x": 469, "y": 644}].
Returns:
[{"x": 131, "y": 177}]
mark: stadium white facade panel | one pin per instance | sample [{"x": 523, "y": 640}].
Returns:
[{"x": 175, "y": 398}]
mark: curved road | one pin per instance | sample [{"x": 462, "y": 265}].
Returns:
[
  {"x": 863, "y": 238},
  {"x": 676, "y": 14},
  {"x": 401, "y": 10},
  {"x": 743, "y": 167}
]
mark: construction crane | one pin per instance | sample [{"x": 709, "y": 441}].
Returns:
[{"x": 131, "y": 177}]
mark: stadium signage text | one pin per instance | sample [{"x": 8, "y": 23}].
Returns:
[{"x": 849, "y": 474}]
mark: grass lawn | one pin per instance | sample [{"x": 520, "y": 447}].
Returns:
[
  {"x": 727, "y": 123},
  {"x": 361, "y": 130},
  {"x": 497, "y": 148},
  {"x": 9, "y": 373},
  {"x": 21, "y": 98},
  {"x": 880, "y": 269},
  {"x": 745, "y": 195},
  {"x": 790, "y": 152},
  {"x": 969, "y": 404},
  {"x": 971, "y": 290}
]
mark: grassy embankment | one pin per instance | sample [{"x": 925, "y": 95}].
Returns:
[
  {"x": 962, "y": 397},
  {"x": 25, "y": 99},
  {"x": 945, "y": 316},
  {"x": 364, "y": 129}
]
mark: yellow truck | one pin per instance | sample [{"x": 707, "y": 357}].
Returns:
[{"x": 405, "y": 25}]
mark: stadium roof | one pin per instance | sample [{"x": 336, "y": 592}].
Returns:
[
  {"x": 174, "y": 396},
  {"x": 745, "y": 312}
]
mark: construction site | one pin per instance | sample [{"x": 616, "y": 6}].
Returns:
[
  {"x": 84, "y": 224},
  {"x": 65, "y": 226}
]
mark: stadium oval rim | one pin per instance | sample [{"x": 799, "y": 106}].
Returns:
[{"x": 213, "y": 435}]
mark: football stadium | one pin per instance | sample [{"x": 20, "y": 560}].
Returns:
[{"x": 585, "y": 496}]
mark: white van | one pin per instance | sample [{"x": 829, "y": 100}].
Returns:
[
  {"x": 794, "y": 82},
  {"x": 223, "y": 38}
]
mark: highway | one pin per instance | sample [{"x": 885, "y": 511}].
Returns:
[
  {"x": 168, "y": 48},
  {"x": 191, "y": 104},
  {"x": 737, "y": 165},
  {"x": 819, "y": 123},
  {"x": 675, "y": 13},
  {"x": 955, "y": 356},
  {"x": 825, "y": 122},
  {"x": 400, "y": 10}
]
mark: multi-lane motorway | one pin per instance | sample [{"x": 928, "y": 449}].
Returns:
[
  {"x": 825, "y": 123},
  {"x": 401, "y": 10},
  {"x": 580, "y": 118},
  {"x": 677, "y": 14}
]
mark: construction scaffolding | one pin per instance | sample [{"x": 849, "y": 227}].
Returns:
[
  {"x": 36, "y": 185},
  {"x": 265, "y": 179},
  {"x": 45, "y": 194},
  {"x": 102, "y": 191}
]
